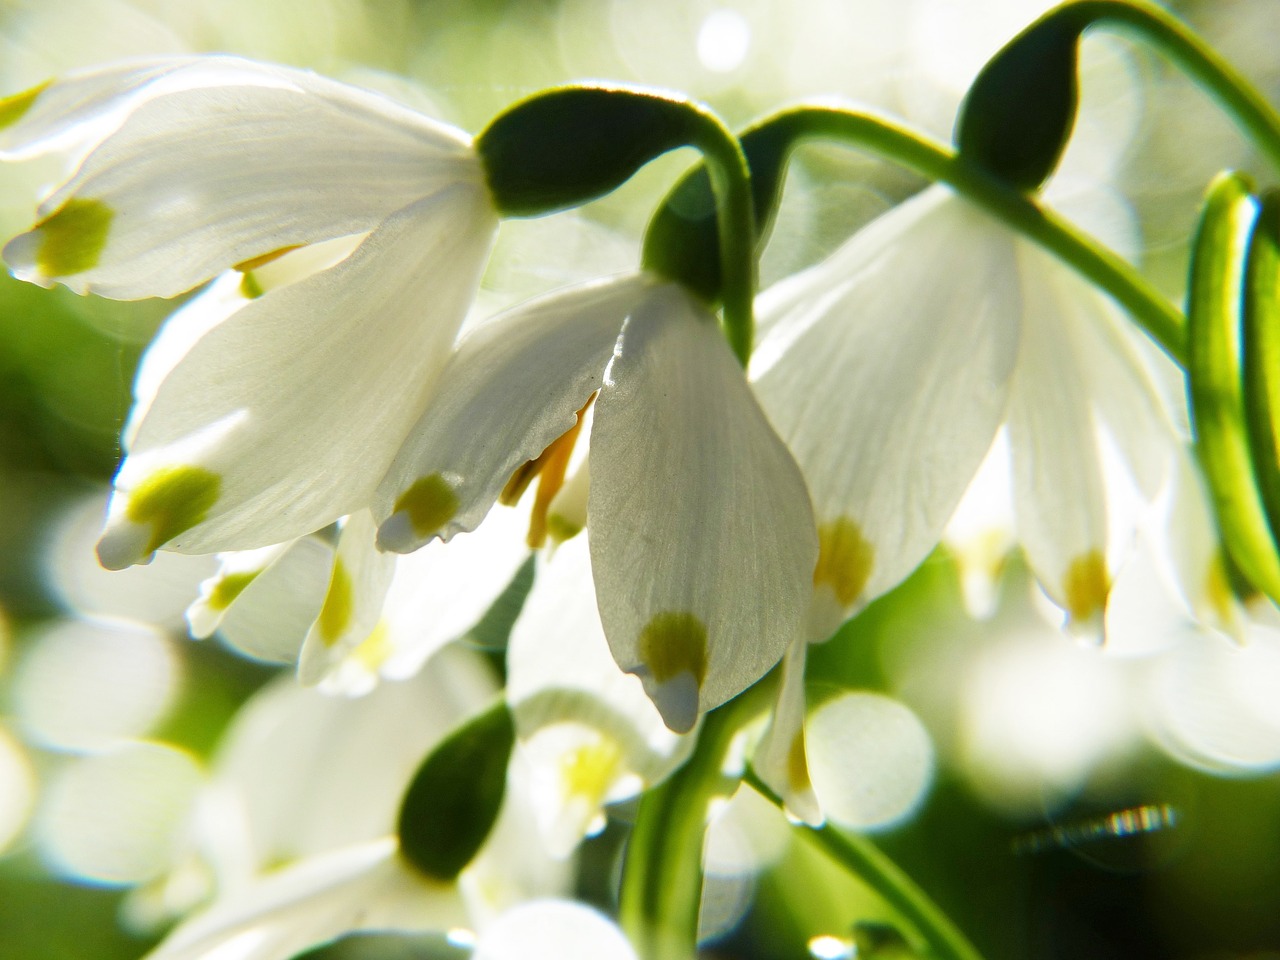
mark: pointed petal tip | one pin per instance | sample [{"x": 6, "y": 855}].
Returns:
[
  {"x": 397, "y": 535},
  {"x": 676, "y": 698},
  {"x": 123, "y": 545}
]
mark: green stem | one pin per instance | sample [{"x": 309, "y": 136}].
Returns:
[
  {"x": 662, "y": 875},
  {"x": 1253, "y": 114},
  {"x": 1103, "y": 268},
  {"x": 735, "y": 224},
  {"x": 865, "y": 861}
]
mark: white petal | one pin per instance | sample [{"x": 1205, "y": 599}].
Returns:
[
  {"x": 888, "y": 384},
  {"x": 780, "y": 758},
  {"x": 289, "y": 412},
  {"x": 701, "y": 534},
  {"x": 270, "y": 617},
  {"x": 515, "y": 385},
  {"x": 554, "y": 930},
  {"x": 315, "y": 901},
  {"x": 1059, "y": 493},
  {"x": 235, "y": 572},
  {"x": 592, "y": 735},
  {"x": 197, "y": 180}
]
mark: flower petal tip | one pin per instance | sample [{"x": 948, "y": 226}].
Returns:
[
  {"x": 676, "y": 698},
  {"x": 124, "y": 544}
]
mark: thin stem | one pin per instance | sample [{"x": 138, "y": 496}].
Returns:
[
  {"x": 1254, "y": 115},
  {"x": 735, "y": 223},
  {"x": 662, "y": 875},
  {"x": 1103, "y": 268},
  {"x": 863, "y": 860}
]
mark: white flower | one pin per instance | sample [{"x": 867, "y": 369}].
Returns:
[
  {"x": 701, "y": 535},
  {"x": 889, "y": 368},
  {"x": 195, "y": 166}
]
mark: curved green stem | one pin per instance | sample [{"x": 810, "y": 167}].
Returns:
[
  {"x": 863, "y": 860},
  {"x": 735, "y": 223},
  {"x": 662, "y": 875},
  {"x": 1103, "y": 268},
  {"x": 1254, "y": 115}
]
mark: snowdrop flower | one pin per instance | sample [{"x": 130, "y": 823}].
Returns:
[
  {"x": 889, "y": 368},
  {"x": 701, "y": 535},
  {"x": 591, "y": 735},
  {"x": 195, "y": 166}
]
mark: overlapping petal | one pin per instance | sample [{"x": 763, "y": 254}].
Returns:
[
  {"x": 700, "y": 528},
  {"x": 888, "y": 382},
  {"x": 514, "y": 385},
  {"x": 255, "y": 159},
  {"x": 322, "y": 378}
]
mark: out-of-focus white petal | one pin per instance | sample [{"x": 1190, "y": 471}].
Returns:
[
  {"x": 311, "y": 772},
  {"x": 349, "y": 620},
  {"x": 701, "y": 533},
  {"x": 199, "y": 179},
  {"x": 1059, "y": 493},
  {"x": 322, "y": 378},
  {"x": 236, "y": 571},
  {"x": 514, "y": 385},
  {"x": 780, "y": 758},
  {"x": 591, "y": 734},
  {"x": 870, "y": 758},
  {"x": 314, "y": 901},
  {"x": 888, "y": 383},
  {"x": 554, "y": 930}
]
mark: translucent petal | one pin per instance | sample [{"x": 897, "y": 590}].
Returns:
[
  {"x": 515, "y": 384},
  {"x": 888, "y": 384},
  {"x": 322, "y": 378},
  {"x": 780, "y": 759},
  {"x": 701, "y": 534},
  {"x": 559, "y": 929},
  {"x": 312, "y": 902},
  {"x": 246, "y": 160}
]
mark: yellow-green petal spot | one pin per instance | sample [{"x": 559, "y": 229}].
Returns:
[
  {"x": 14, "y": 108},
  {"x": 845, "y": 559},
  {"x": 172, "y": 501},
  {"x": 673, "y": 656},
  {"x": 229, "y": 587},
  {"x": 590, "y": 769},
  {"x": 429, "y": 504},
  {"x": 798, "y": 764},
  {"x": 374, "y": 650},
  {"x": 72, "y": 237},
  {"x": 1085, "y": 586},
  {"x": 560, "y": 528},
  {"x": 335, "y": 614}
]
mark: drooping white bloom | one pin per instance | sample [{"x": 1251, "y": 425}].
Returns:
[
  {"x": 591, "y": 735},
  {"x": 889, "y": 367},
  {"x": 195, "y": 166},
  {"x": 701, "y": 535}
]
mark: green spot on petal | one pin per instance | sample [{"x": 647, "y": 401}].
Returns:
[
  {"x": 674, "y": 643},
  {"x": 798, "y": 764},
  {"x": 845, "y": 559},
  {"x": 560, "y": 528},
  {"x": 72, "y": 238},
  {"x": 335, "y": 615},
  {"x": 1085, "y": 586},
  {"x": 14, "y": 108},
  {"x": 429, "y": 504},
  {"x": 227, "y": 588},
  {"x": 172, "y": 501},
  {"x": 250, "y": 288}
]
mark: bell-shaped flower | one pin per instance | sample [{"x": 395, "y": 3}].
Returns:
[
  {"x": 296, "y": 826},
  {"x": 701, "y": 535},
  {"x": 196, "y": 166},
  {"x": 590, "y": 734},
  {"x": 889, "y": 368}
]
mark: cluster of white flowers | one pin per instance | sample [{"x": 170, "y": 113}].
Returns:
[{"x": 692, "y": 524}]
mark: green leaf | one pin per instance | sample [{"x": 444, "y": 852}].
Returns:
[
  {"x": 1017, "y": 117},
  {"x": 563, "y": 147},
  {"x": 1261, "y": 355},
  {"x": 454, "y": 798},
  {"x": 1214, "y": 318}
]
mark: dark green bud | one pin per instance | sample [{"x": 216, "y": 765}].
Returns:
[
  {"x": 682, "y": 242},
  {"x": 455, "y": 796},
  {"x": 1017, "y": 117},
  {"x": 564, "y": 147}
]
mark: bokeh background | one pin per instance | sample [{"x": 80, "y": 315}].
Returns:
[{"x": 1058, "y": 800}]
